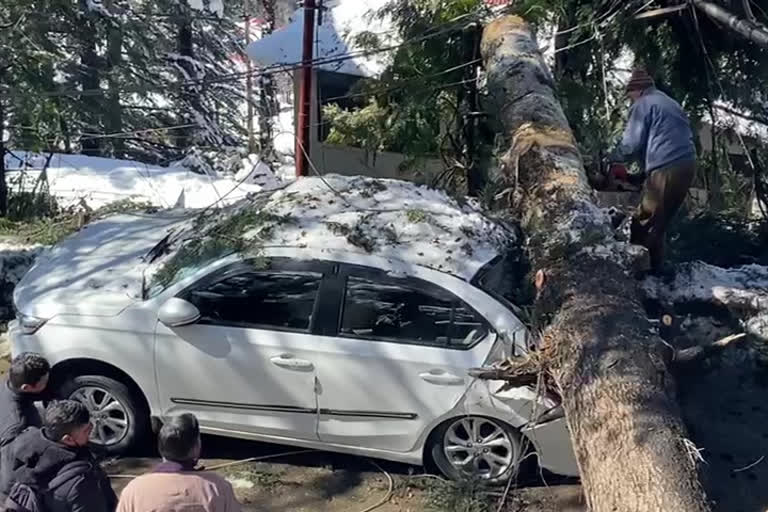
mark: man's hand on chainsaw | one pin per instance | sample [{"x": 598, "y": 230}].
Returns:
[{"x": 618, "y": 178}]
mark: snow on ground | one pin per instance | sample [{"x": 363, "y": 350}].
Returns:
[
  {"x": 388, "y": 218},
  {"x": 698, "y": 281},
  {"x": 100, "y": 181},
  {"x": 742, "y": 289}
]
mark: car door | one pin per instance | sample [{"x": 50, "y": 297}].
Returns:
[
  {"x": 398, "y": 360},
  {"x": 247, "y": 364}
]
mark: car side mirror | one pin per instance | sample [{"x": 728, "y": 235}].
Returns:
[{"x": 176, "y": 312}]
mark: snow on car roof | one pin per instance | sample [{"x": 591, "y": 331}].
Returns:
[{"x": 383, "y": 217}]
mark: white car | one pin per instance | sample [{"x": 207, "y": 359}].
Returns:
[{"x": 333, "y": 350}]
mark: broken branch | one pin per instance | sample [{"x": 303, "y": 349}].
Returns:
[{"x": 696, "y": 353}]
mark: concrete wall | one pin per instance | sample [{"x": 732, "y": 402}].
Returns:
[{"x": 351, "y": 161}]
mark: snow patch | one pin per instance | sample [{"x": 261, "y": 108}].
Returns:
[
  {"x": 394, "y": 219},
  {"x": 97, "y": 6},
  {"x": 699, "y": 281},
  {"x": 100, "y": 181},
  {"x": 629, "y": 256},
  {"x": 742, "y": 290}
]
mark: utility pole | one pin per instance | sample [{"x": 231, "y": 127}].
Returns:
[
  {"x": 249, "y": 79},
  {"x": 305, "y": 91}
]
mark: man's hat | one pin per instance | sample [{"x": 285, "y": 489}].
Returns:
[{"x": 640, "y": 80}]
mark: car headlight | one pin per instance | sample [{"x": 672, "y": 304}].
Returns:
[{"x": 29, "y": 324}]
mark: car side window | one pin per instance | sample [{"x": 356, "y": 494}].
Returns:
[
  {"x": 273, "y": 299},
  {"x": 408, "y": 311}
]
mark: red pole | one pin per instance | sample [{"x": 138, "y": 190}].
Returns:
[{"x": 305, "y": 91}]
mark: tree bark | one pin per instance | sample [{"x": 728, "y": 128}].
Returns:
[
  {"x": 114, "y": 121},
  {"x": 189, "y": 91},
  {"x": 267, "y": 91},
  {"x": 3, "y": 184},
  {"x": 91, "y": 99},
  {"x": 608, "y": 365}
]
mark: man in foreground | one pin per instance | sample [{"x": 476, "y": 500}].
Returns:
[
  {"x": 658, "y": 133},
  {"x": 175, "y": 485},
  {"x": 27, "y": 379},
  {"x": 52, "y": 468}
]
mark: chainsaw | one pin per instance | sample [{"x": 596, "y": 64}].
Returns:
[{"x": 614, "y": 177}]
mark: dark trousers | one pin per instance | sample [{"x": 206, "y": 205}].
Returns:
[{"x": 663, "y": 194}]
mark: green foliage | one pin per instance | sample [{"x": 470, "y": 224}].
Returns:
[
  {"x": 461, "y": 496},
  {"x": 46, "y": 224},
  {"x": 418, "y": 106},
  {"x": 365, "y": 128},
  {"x": 357, "y": 234},
  {"x": 242, "y": 232},
  {"x": 416, "y": 216},
  {"x": 70, "y": 73}
]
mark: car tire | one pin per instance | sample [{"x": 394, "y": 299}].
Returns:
[
  {"x": 112, "y": 406},
  {"x": 451, "y": 442}
]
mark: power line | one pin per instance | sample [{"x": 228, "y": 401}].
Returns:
[{"x": 403, "y": 84}]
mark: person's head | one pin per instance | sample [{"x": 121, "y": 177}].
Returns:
[
  {"x": 179, "y": 439},
  {"x": 639, "y": 82},
  {"x": 68, "y": 422},
  {"x": 29, "y": 373}
]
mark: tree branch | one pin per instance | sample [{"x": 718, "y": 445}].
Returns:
[
  {"x": 749, "y": 117},
  {"x": 689, "y": 355},
  {"x": 748, "y": 10},
  {"x": 751, "y": 30}
]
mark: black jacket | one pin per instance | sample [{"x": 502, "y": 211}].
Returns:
[
  {"x": 17, "y": 412},
  {"x": 35, "y": 460}
]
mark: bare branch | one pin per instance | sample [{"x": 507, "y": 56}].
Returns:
[{"x": 689, "y": 355}]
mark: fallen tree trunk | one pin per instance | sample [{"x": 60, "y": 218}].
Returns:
[{"x": 607, "y": 362}]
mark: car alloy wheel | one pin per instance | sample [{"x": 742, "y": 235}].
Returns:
[
  {"x": 480, "y": 448},
  {"x": 110, "y": 419}
]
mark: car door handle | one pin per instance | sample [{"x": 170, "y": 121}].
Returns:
[
  {"x": 441, "y": 377},
  {"x": 288, "y": 362}
]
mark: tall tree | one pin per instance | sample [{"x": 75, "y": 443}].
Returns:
[{"x": 89, "y": 74}]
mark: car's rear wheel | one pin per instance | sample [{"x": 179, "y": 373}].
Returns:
[
  {"x": 476, "y": 447},
  {"x": 119, "y": 419}
]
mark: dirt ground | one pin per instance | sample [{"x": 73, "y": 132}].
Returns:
[
  {"x": 326, "y": 482},
  {"x": 724, "y": 405}
]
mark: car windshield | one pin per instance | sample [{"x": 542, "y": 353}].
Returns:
[
  {"x": 502, "y": 280},
  {"x": 178, "y": 267}
]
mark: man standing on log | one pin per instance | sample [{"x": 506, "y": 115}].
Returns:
[{"x": 658, "y": 134}]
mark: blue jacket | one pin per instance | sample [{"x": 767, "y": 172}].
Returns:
[{"x": 658, "y": 133}]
